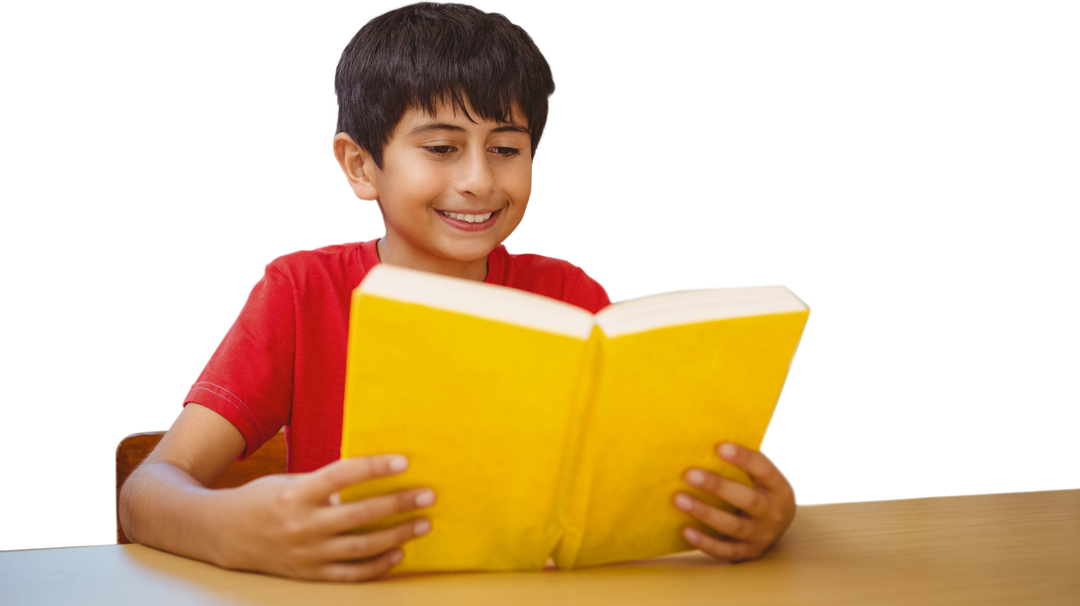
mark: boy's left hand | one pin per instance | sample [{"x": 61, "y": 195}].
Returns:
[{"x": 763, "y": 512}]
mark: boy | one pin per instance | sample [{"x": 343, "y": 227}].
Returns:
[{"x": 441, "y": 109}]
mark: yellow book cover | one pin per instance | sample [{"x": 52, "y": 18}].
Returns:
[{"x": 547, "y": 431}]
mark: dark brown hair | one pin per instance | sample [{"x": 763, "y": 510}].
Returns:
[{"x": 419, "y": 55}]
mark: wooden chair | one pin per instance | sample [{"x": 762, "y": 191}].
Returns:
[{"x": 268, "y": 459}]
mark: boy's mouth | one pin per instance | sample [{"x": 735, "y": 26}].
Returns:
[{"x": 469, "y": 222}]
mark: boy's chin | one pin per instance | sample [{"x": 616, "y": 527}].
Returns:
[{"x": 467, "y": 252}]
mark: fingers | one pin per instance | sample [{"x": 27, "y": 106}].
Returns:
[
  {"x": 363, "y": 546},
  {"x": 344, "y": 547},
  {"x": 317, "y": 535},
  {"x": 724, "y": 551},
  {"x": 756, "y": 465},
  {"x": 766, "y": 509},
  {"x": 740, "y": 496},
  {"x": 319, "y": 485},
  {"x": 759, "y": 505},
  {"x": 333, "y": 520},
  {"x": 349, "y": 572},
  {"x": 729, "y": 524}
]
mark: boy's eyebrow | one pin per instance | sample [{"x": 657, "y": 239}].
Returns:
[{"x": 424, "y": 128}]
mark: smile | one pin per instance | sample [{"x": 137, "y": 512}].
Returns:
[
  {"x": 467, "y": 218},
  {"x": 469, "y": 222}
]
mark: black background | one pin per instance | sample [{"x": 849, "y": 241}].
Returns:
[{"x": 685, "y": 149}]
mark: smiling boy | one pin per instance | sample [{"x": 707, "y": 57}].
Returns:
[{"x": 441, "y": 109}]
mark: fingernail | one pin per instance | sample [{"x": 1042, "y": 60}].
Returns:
[
  {"x": 421, "y": 527},
  {"x": 396, "y": 558},
  {"x": 728, "y": 451},
  {"x": 398, "y": 464},
  {"x": 695, "y": 477},
  {"x": 425, "y": 499},
  {"x": 683, "y": 502},
  {"x": 691, "y": 535}
]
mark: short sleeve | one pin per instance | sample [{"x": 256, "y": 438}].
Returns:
[
  {"x": 249, "y": 379},
  {"x": 587, "y": 293}
]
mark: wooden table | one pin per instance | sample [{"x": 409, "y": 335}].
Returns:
[{"x": 1021, "y": 548}]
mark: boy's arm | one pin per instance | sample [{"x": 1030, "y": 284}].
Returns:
[
  {"x": 281, "y": 524},
  {"x": 163, "y": 502}
]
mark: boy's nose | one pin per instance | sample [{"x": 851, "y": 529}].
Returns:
[{"x": 476, "y": 179}]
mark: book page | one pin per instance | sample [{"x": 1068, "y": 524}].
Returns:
[
  {"x": 497, "y": 303},
  {"x": 665, "y": 398},
  {"x": 694, "y": 306}
]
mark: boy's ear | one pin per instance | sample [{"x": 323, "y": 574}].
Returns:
[{"x": 358, "y": 166}]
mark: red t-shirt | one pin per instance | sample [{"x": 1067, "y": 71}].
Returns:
[{"x": 283, "y": 361}]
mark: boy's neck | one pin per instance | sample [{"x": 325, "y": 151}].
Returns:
[{"x": 394, "y": 253}]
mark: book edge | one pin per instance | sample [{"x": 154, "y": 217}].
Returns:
[
  {"x": 695, "y": 306},
  {"x": 530, "y": 310},
  {"x": 487, "y": 301}
]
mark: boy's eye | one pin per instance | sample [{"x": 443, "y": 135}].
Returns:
[{"x": 503, "y": 151}]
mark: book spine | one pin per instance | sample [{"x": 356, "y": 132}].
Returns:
[{"x": 576, "y": 473}]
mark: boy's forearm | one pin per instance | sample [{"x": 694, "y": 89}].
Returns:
[{"x": 163, "y": 507}]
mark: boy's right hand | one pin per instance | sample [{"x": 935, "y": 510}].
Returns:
[{"x": 289, "y": 525}]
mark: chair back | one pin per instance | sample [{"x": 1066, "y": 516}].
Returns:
[{"x": 268, "y": 459}]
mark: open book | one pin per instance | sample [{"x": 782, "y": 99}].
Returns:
[{"x": 547, "y": 431}]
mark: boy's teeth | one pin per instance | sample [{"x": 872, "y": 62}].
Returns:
[{"x": 468, "y": 218}]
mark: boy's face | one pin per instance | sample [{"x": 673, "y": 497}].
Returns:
[{"x": 443, "y": 165}]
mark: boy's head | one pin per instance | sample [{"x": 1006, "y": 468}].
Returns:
[{"x": 440, "y": 110}]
